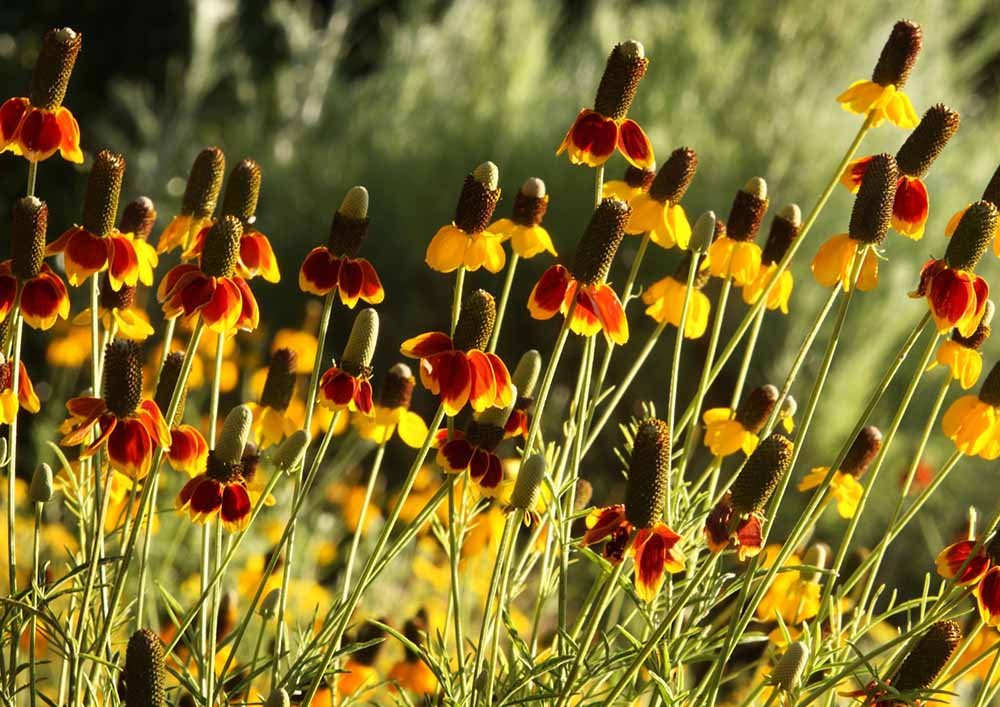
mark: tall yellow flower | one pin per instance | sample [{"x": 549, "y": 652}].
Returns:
[
  {"x": 845, "y": 487},
  {"x": 528, "y": 237},
  {"x": 784, "y": 231},
  {"x": 658, "y": 211},
  {"x": 734, "y": 253},
  {"x": 466, "y": 240}
]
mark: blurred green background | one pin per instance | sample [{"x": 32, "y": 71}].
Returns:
[{"x": 407, "y": 97}]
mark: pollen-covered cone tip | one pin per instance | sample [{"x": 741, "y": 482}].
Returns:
[
  {"x": 144, "y": 674},
  {"x": 479, "y": 197},
  {"x": 122, "y": 380},
  {"x": 675, "y": 176},
  {"x": 222, "y": 247},
  {"x": 872, "y": 210},
  {"x": 599, "y": 244},
  {"x": 397, "y": 387},
  {"x": 703, "y": 232},
  {"x": 761, "y": 473},
  {"x": 204, "y": 183},
  {"x": 788, "y": 672},
  {"x": 360, "y": 348},
  {"x": 972, "y": 236},
  {"x": 104, "y": 185},
  {"x": 530, "y": 203},
  {"x": 234, "y": 435},
  {"x": 899, "y": 54},
  {"x": 527, "y": 372},
  {"x": 278, "y": 698},
  {"x": 41, "y": 488},
  {"x": 922, "y": 665},
  {"x": 747, "y": 212},
  {"x": 784, "y": 230},
  {"x": 646, "y": 489},
  {"x": 757, "y": 407},
  {"x": 626, "y": 66},
  {"x": 476, "y": 321},
  {"x": 242, "y": 191},
  {"x": 291, "y": 451},
  {"x": 927, "y": 140},
  {"x": 863, "y": 450},
  {"x": 350, "y": 224},
  {"x": 27, "y": 238},
  {"x": 528, "y": 484},
  {"x": 169, "y": 375},
  {"x": 54, "y": 66},
  {"x": 138, "y": 217}
]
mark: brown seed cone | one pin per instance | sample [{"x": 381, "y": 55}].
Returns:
[
  {"x": 675, "y": 176},
  {"x": 646, "y": 489},
  {"x": 27, "y": 237},
  {"x": 978, "y": 338},
  {"x": 53, "y": 67},
  {"x": 639, "y": 178},
  {"x": 922, "y": 665},
  {"x": 863, "y": 450},
  {"x": 475, "y": 323},
  {"x": 989, "y": 393},
  {"x": 529, "y": 210},
  {"x": 680, "y": 273},
  {"x": 397, "y": 388},
  {"x": 484, "y": 434},
  {"x": 899, "y": 54},
  {"x": 169, "y": 375},
  {"x": 242, "y": 191},
  {"x": 123, "y": 298},
  {"x": 360, "y": 348},
  {"x": 204, "y": 183},
  {"x": 475, "y": 205},
  {"x": 746, "y": 215},
  {"x": 122, "y": 385},
  {"x": 104, "y": 185},
  {"x": 925, "y": 143},
  {"x": 625, "y": 68},
  {"x": 599, "y": 243},
  {"x": 369, "y": 632},
  {"x": 222, "y": 471},
  {"x": 992, "y": 191},
  {"x": 144, "y": 674},
  {"x": 972, "y": 236},
  {"x": 872, "y": 211},
  {"x": 757, "y": 407},
  {"x": 779, "y": 239},
  {"x": 222, "y": 247},
  {"x": 761, "y": 473},
  {"x": 346, "y": 235},
  {"x": 138, "y": 217},
  {"x": 279, "y": 385}
]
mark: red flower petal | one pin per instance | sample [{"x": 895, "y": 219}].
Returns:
[
  {"x": 8, "y": 292},
  {"x": 988, "y": 596},
  {"x": 351, "y": 283},
  {"x": 594, "y": 135},
  {"x": 483, "y": 391},
  {"x": 951, "y": 559},
  {"x": 601, "y": 522},
  {"x": 611, "y": 313},
  {"x": 11, "y": 112},
  {"x": 634, "y": 145},
  {"x": 130, "y": 448},
  {"x": 451, "y": 377},
  {"x": 425, "y": 345},
  {"x": 38, "y": 135},
  {"x": 249, "y": 316},
  {"x": 455, "y": 455},
  {"x": 363, "y": 397},
  {"x": 319, "y": 272},
  {"x": 547, "y": 296},
  {"x": 123, "y": 262},
  {"x": 749, "y": 537},
  {"x": 206, "y": 496},
  {"x": 371, "y": 291},
  {"x": 236, "y": 506},
  {"x": 337, "y": 388},
  {"x": 717, "y": 527},
  {"x": 486, "y": 470},
  {"x": 912, "y": 203},
  {"x": 43, "y": 299}
]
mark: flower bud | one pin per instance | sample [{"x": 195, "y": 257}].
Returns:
[
  {"x": 360, "y": 348},
  {"x": 204, "y": 183},
  {"x": 122, "y": 385},
  {"x": 924, "y": 663},
  {"x": 478, "y": 199},
  {"x": 675, "y": 176},
  {"x": 784, "y": 230},
  {"x": 27, "y": 237},
  {"x": 138, "y": 217},
  {"x": 863, "y": 450},
  {"x": 279, "y": 385},
  {"x": 747, "y": 211},
  {"x": 41, "y": 488},
  {"x": 528, "y": 484},
  {"x": 350, "y": 224},
  {"x": 816, "y": 556},
  {"x": 222, "y": 247},
  {"x": 291, "y": 452},
  {"x": 526, "y": 374},
  {"x": 476, "y": 321},
  {"x": 872, "y": 210},
  {"x": 761, "y": 473},
  {"x": 788, "y": 672},
  {"x": 104, "y": 185},
  {"x": 899, "y": 54},
  {"x": 757, "y": 407},
  {"x": 972, "y": 236},
  {"x": 599, "y": 243},
  {"x": 530, "y": 203},
  {"x": 53, "y": 67},
  {"x": 397, "y": 388},
  {"x": 144, "y": 674},
  {"x": 703, "y": 233},
  {"x": 234, "y": 435},
  {"x": 626, "y": 66},
  {"x": 646, "y": 489},
  {"x": 925, "y": 143},
  {"x": 242, "y": 191}
]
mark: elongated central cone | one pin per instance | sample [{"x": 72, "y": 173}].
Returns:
[
  {"x": 972, "y": 237},
  {"x": 144, "y": 673},
  {"x": 599, "y": 244},
  {"x": 475, "y": 323},
  {"x": 138, "y": 217},
  {"x": 757, "y": 407},
  {"x": 122, "y": 385},
  {"x": 350, "y": 224},
  {"x": 626, "y": 66},
  {"x": 924, "y": 663},
  {"x": 478, "y": 199},
  {"x": 526, "y": 374},
  {"x": 397, "y": 388},
  {"x": 528, "y": 484},
  {"x": 54, "y": 66},
  {"x": 279, "y": 386},
  {"x": 672, "y": 181},
  {"x": 234, "y": 435},
  {"x": 863, "y": 450},
  {"x": 927, "y": 140},
  {"x": 646, "y": 490},
  {"x": 27, "y": 239},
  {"x": 204, "y": 183},
  {"x": 872, "y": 211},
  {"x": 761, "y": 473},
  {"x": 784, "y": 231},
  {"x": 242, "y": 191},
  {"x": 169, "y": 375},
  {"x": 747, "y": 213},
  {"x": 104, "y": 185},
  {"x": 899, "y": 54},
  {"x": 360, "y": 349},
  {"x": 222, "y": 247}
]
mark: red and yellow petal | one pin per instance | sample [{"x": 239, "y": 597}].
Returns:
[
  {"x": 602, "y": 522},
  {"x": 988, "y": 597},
  {"x": 85, "y": 253},
  {"x": 717, "y": 527},
  {"x": 337, "y": 389},
  {"x": 454, "y": 456},
  {"x": 591, "y": 139},
  {"x": 611, "y": 313},
  {"x": 749, "y": 537},
  {"x": 130, "y": 448},
  {"x": 449, "y": 375},
  {"x": 950, "y": 560},
  {"x": 487, "y": 471},
  {"x": 123, "y": 261},
  {"x": 854, "y": 172},
  {"x": 634, "y": 145},
  {"x": 11, "y": 112},
  {"x": 257, "y": 257},
  {"x": 425, "y": 345},
  {"x": 43, "y": 300},
  {"x": 249, "y": 316},
  {"x": 69, "y": 145},
  {"x": 201, "y": 497},
  {"x": 320, "y": 272},
  {"x": 234, "y": 511},
  {"x": 188, "y": 450},
  {"x": 38, "y": 135},
  {"x": 505, "y": 389},
  {"x": 371, "y": 289},
  {"x": 655, "y": 555},
  {"x": 910, "y": 208},
  {"x": 549, "y": 293}
]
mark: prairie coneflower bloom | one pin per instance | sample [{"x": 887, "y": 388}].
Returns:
[
  {"x": 525, "y": 379},
  {"x": 392, "y": 414},
  {"x": 973, "y": 421},
  {"x": 118, "y": 309},
  {"x": 981, "y": 569},
  {"x": 97, "y": 245},
  {"x": 991, "y": 194},
  {"x": 733, "y": 253},
  {"x": 635, "y": 181},
  {"x": 348, "y": 386},
  {"x": 527, "y": 235},
  {"x": 43, "y": 294},
  {"x": 784, "y": 231},
  {"x": 201, "y": 193},
  {"x": 128, "y": 426},
  {"x": 635, "y": 527},
  {"x": 961, "y": 353},
  {"x": 845, "y": 487},
  {"x": 738, "y": 518},
  {"x": 912, "y": 203},
  {"x": 457, "y": 368},
  {"x": 882, "y": 97},
  {"x": 597, "y": 133},
  {"x": 467, "y": 240},
  {"x": 583, "y": 288},
  {"x": 188, "y": 449},
  {"x": 412, "y": 673},
  {"x": 212, "y": 288},
  {"x": 38, "y": 125},
  {"x": 870, "y": 216},
  {"x": 221, "y": 488},
  {"x": 271, "y": 422},
  {"x": 666, "y": 300},
  {"x": 658, "y": 211},
  {"x": 794, "y": 595},
  {"x": 335, "y": 265},
  {"x": 26, "y": 398},
  {"x": 475, "y": 449},
  {"x": 955, "y": 294},
  {"x": 728, "y": 431}
]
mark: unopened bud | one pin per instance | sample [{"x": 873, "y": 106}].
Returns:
[
  {"x": 291, "y": 451},
  {"x": 788, "y": 672},
  {"x": 234, "y": 435},
  {"x": 528, "y": 484},
  {"x": 138, "y": 217},
  {"x": 703, "y": 233},
  {"x": 526, "y": 374},
  {"x": 269, "y": 605},
  {"x": 756, "y": 408},
  {"x": 41, "y": 488},
  {"x": 863, "y": 450},
  {"x": 360, "y": 348}
]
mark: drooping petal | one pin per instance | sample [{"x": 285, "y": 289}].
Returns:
[
  {"x": 234, "y": 511},
  {"x": 43, "y": 300},
  {"x": 954, "y": 557},
  {"x": 910, "y": 208},
  {"x": 84, "y": 253},
  {"x": 611, "y": 313},
  {"x": 320, "y": 272},
  {"x": 634, "y": 145},
  {"x": 425, "y": 345},
  {"x": 188, "y": 450},
  {"x": 455, "y": 455},
  {"x": 130, "y": 448},
  {"x": 547, "y": 296},
  {"x": 446, "y": 251},
  {"x": 591, "y": 139},
  {"x": 601, "y": 522},
  {"x": 988, "y": 597},
  {"x": 483, "y": 390},
  {"x": 371, "y": 290}
]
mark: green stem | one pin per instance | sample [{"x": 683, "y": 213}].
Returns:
[
  {"x": 356, "y": 540},
  {"x": 502, "y": 304},
  {"x": 32, "y": 177},
  {"x": 33, "y": 624},
  {"x": 506, "y": 558},
  {"x": 491, "y": 593},
  {"x": 456, "y": 303},
  {"x": 747, "y": 356},
  {"x": 454, "y": 555}
]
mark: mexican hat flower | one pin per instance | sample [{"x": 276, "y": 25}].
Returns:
[
  {"x": 221, "y": 488},
  {"x": 834, "y": 262},
  {"x": 634, "y": 182},
  {"x": 201, "y": 193},
  {"x": 845, "y": 488},
  {"x": 212, "y": 288},
  {"x": 392, "y": 414},
  {"x": 738, "y": 518},
  {"x": 955, "y": 294},
  {"x": 979, "y": 568},
  {"x": 188, "y": 449},
  {"x": 456, "y": 368},
  {"x": 960, "y": 354},
  {"x": 271, "y": 421},
  {"x": 733, "y": 253},
  {"x": 973, "y": 421},
  {"x": 912, "y": 203},
  {"x": 991, "y": 194},
  {"x": 728, "y": 431},
  {"x": 665, "y": 299},
  {"x": 412, "y": 673},
  {"x": 784, "y": 231},
  {"x": 882, "y": 98},
  {"x": 596, "y": 134},
  {"x": 38, "y": 125},
  {"x": 474, "y": 450},
  {"x": 795, "y": 594},
  {"x": 635, "y": 526},
  {"x": 658, "y": 211},
  {"x": 256, "y": 257},
  {"x": 43, "y": 295},
  {"x": 525, "y": 380},
  {"x": 128, "y": 426},
  {"x": 26, "y": 399},
  {"x": 96, "y": 245},
  {"x": 348, "y": 386},
  {"x": 467, "y": 240},
  {"x": 528, "y": 237},
  {"x": 335, "y": 265},
  {"x": 583, "y": 288}
]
